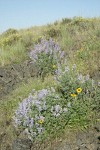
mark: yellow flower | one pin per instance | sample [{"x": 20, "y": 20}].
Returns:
[
  {"x": 79, "y": 90},
  {"x": 41, "y": 121},
  {"x": 54, "y": 66},
  {"x": 81, "y": 49},
  {"x": 73, "y": 95}
]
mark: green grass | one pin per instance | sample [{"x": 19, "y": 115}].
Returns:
[
  {"x": 72, "y": 35},
  {"x": 13, "y": 54},
  {"x": 79, "y": 38}
]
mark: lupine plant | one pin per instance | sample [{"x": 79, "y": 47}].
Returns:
[
  {"x": 77, "y": 88},
  {"x": 46, "y": 56},
  {"x": 42, "y": 113},
  {"x": 70, "y": 82},
  {"x": 47, "y": 111}
]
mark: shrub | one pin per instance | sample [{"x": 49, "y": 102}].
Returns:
[
  {"x": 11, "y": 39},
  {"x": 40, "y": 113},
  {"x": 46, "y": 56},
  {"x": 52, "y": 32},
  {"x": 27, "y": 39},
  {"x": 74, "y": 85},
  {"x": 9, "y": 32}
]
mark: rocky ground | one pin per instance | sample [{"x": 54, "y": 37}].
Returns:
[
  {"x": 12, "y": 75},
  {"x": 81, "y": 140}
]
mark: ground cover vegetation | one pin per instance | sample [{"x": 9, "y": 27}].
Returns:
[{"x": 65, "y": 93}]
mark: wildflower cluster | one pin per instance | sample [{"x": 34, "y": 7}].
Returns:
[
  {"x": 72, "y": 84},
  {"x": 46, "y": 56},
  {"x": 29, "y": 116},
  {"x": 37, "y": 113},
  {"x": 10, "y": 39},
  {"x": 48, "y": 110}
]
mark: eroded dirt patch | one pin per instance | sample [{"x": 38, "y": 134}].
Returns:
[{"x": 11, "y": 75}]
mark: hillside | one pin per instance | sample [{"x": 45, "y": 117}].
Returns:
[{"x": 61, "y": 61}]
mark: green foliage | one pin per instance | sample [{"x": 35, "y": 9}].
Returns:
[
  {"x": 27, "y": 39},
  {"x": 46, "y": 57},
  {"x": 52, "y": 32},
  {"x": 66, "y": 21},
  {"x": 71, "y": 38},
  {"x": 14, "y": 54},
  {"x": 81, "y": 92},
  {"x": 66, "y": 40},
  {"x": 76, "y": 96},
  {"x": 10, "y": 40},
  {"x": 98, "y": 33},
  {"x": 47, "y": 111},
  {"x": 9, "y": 32},
  {"x": 88, "y": 54},
  {"x": 45, "y": 65},
  {"x": 10, "y": 103}
]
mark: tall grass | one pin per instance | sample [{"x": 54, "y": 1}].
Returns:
[
  {"x": 13, "y": 54},
  {"x": 72, "y": 34}
]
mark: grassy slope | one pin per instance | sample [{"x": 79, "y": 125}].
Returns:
[{"x": 79, "y": 38}]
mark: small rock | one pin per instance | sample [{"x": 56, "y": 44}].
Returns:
[
  {"x": 97, "y": 128},
  {"x": 21, "y": 144}
]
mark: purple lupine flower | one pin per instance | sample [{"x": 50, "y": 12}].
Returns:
[
  {"x": 40, "y": 130},
  {"x": 49, "y": 47},
  {"x": 87, "y": 77},
  {"x": 58, "y": 71},
  {"x": 56, "y": 110},
  {"x": 67, "y": 69},
  {"x": 31, "y": 124},
  {"x": 65, "y": 109},
  {"x": 44, "y": 105},
  {"x": 17, "y": 121},
  {"x": 57, "y": 47},
  {"x": 24, "y": 114},
  {"x": 33, "y": 55},
  {"x": 38, "y": 105},
  {"x": 41, "y": 118},
  {"x": 62, "y": 54},
  {"x": 56, "y": 114},
  {"x": 26, "y": 121},
  {"x": 74, "y": 67},
  {"x": 80, "y": 77},
  {"x": 42, "y": 94}
]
